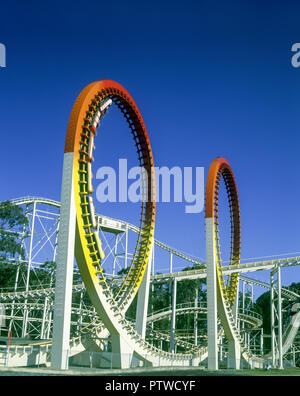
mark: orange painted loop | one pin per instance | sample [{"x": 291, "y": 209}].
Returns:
[
  {"x": 81, "y": 130},
  {"x": 109, "y": 88},
  {"x": 216, "y": 166},
  {"x": 221, "y": 168},
  {"x": 84, "y": 99}
]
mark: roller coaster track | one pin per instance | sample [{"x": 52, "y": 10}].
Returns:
[
  {"x": 28, "y": 348},
  {"x": 25, "y": 350},
  {"x": 96, "y": 327},
  {"x": 83, "y": 122},
  {"x": 84, "y": 119},
  {"x": 237, "y": 268},
  {"x": 88, "y": 110},
  {"x": 251, "y": 317},
  {"x": 248, "y": 316},
  {"x": 191, "y": 274},
  {"x": 226, "y": 292},
  {"x": 35, "y": 293},
  {"x": 39, "y": 307},
  {"x": 198, "y": 273},
  {"x": 289, "y": 294},
  {"x": 290, "y": 333},
  {"x": 107, "y": 219}
]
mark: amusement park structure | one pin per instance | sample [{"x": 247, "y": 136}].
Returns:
[{"x": 80, "y": 314}]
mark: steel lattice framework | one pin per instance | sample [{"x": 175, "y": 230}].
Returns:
[
  {"x": 112, "y": 295},
  {"x": 42, "y": 295}
]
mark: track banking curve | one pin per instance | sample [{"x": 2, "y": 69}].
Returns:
[
  {"x": 84, "y": 120},
  {"x": 111, "y": 303},
  {"x": 288, "y": 336}
]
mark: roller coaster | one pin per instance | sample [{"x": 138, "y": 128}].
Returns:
[{"x": 81, "y": 309}]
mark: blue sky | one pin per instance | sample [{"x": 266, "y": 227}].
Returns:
[{"x": 210, "y": 78}]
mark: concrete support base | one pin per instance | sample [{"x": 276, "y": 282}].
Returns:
[
  {"x": 234, "y": 355},
  {"x": 143, "y": 300},
  {"x": 121, "y": 352},
  {"x": 173, "y": 317},
  {"x": 212, "y": 324},
  {"x": 64, "y": 272},
  {"x": 142, "y": 305}
]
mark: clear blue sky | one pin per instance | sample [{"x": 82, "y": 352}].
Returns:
[{"x": 210, "y": 78}]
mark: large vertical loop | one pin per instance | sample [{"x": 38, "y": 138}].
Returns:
[
  {"x": 90, "y": 106},
  {"x": 220, "y": 168}
]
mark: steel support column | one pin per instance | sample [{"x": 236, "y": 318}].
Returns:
[
  {"x": 212, "y": 325},
  {"x": 173, "y": 317},
  {"x": 143, "y": 299},
  {"x": 276, "y": 318},
  {"x": 25, "y": 318},
  {"x": 64, "y": 272},
  {"x": 196, "y": 318}
]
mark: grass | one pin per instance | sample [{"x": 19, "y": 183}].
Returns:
[
  {"x": 154, "y": 372},
  {"x": 273, "y": 372}
]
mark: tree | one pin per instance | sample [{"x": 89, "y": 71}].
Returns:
[{"x": 13, "y": 223}]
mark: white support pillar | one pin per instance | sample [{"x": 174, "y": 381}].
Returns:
[
  {"x": 173, "y": 317},
  {"x": 235, "y": 308},
  {"x": 276, "y": 318},
  {"x": 79, "y": 323},
  {"x": 122, "y": 353},
  {"x": 294, "y": 357},
  {"x": 143, "y": 299},
  {"x": 171, "y": 263},
  {"x": 142, "y": 304},
  {"x": 234, "y": 349},
  {"x": 25, "y": 317},
  {"x": 196, "y": 317},
  {"x": 243, "y": 308},
  {"x": 212, "y": 324},
  {"x": 45, "y": 310},
  {"x": 49, "y": 321},
  {"x": 273, "y": 336},
  {"x": 262, "y": 341},
  {"x": 115, "y": 255},
  {"x": 64, "y": 271},
  {"x": 279, "y": 309},
  {"x": 234, "y": 355},
  {"x": 170, "y": 271},
  {"x": 221, "y": 349}
]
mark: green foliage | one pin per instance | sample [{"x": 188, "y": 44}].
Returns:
[
  {"x": 12, "y": 224},
  {"x": 294, "y": 287}
]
